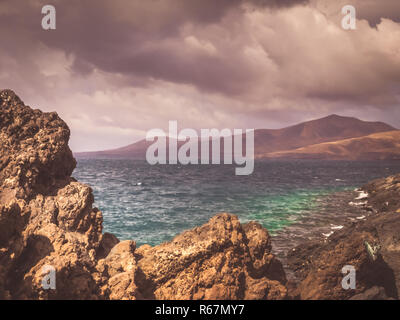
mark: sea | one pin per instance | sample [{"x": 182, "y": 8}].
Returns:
[{"x": 295, "y": 200}]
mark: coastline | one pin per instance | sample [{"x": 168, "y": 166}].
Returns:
[
  {"x": 317, "y": 264},
  {"x": 320, "y": 225},
  {"x": 47, "y": 218}
]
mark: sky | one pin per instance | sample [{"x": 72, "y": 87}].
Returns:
[{"x": 115, "y": 69}]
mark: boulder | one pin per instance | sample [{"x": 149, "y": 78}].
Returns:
[{"x": 219, "y": 260}]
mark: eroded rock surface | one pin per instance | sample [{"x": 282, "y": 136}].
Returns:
[
  {"x": 222, "y": 259},
  {"x": 47, "y": 219},
  {"x": 219, "y": 260}
]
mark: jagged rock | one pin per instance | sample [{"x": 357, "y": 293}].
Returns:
[
  {"x": 318, "y": 264},
  {"x": 117, "y": 272},
  {"x": 34, "y": 152},
  {"x": 219, "y": 260},
  {"x": 47, "y": 219},
  {"x": 383, "y": 194}
]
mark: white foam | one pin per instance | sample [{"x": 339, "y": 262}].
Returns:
[
  {"x": 361, "y": 217},
  {"x": 327, "y": 235},
  {"x": 360, "y": 203},
  {"x": 333, "y": 227},
  {"x": 362, "y": 195}
]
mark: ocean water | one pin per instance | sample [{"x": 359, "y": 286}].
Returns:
[{"x": 294, "y": 200}]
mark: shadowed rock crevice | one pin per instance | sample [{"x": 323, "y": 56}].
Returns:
[
  {"x": 37, "y": 247},
  {"x": 379, "y": 274}
]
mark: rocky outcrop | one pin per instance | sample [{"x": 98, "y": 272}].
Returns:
[
  {"x": 372, "y": 246},
  {"x": 47, "y": 219},
  {"x": 384, "y": 194},
  {"x": 219, "y": 260},
  {"x": 34, "y": 152}
]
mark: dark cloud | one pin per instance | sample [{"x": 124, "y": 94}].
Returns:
[
  {"x": 371, "y": 10},
  {"x": 111, "y": 66},
  {"x": 131, "y": 37},
  {"x": 200, "y": 43},
  {"x": 374, "y": 11}
]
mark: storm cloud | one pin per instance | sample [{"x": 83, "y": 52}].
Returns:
[{"x": 114, "y": 69}]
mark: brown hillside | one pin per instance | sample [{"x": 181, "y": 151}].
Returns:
[{"x": 378, "y": 146}]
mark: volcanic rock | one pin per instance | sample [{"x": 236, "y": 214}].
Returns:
[
  {"x": 46, "y": 217},
  {"x": 219, "y": 260}
]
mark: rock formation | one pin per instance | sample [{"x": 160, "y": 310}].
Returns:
[
  {"x": 47, "y": 219},
  {"x": 219, "y": 260},
  {"x": 372, "y": 246}
]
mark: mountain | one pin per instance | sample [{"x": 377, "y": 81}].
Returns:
[
  {"x": 377, "y": 146},
  {"x": 331, "y": 128},
  {"x": 328, "y": 129}
]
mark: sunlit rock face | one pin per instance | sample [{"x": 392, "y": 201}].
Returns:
[{"x": 46, "y": 217}]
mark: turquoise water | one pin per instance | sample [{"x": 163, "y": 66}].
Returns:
[{"x": 152, "y": 204}]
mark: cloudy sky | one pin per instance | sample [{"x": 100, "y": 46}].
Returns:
[{"x": 115, "y": 69}]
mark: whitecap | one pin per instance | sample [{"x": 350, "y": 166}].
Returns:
[
  {"x": 327, "y": 235},
  {"x": 360, "y": 203},
  {"x": 333, "y": 227},
  {"x": 362, "y": 195}
]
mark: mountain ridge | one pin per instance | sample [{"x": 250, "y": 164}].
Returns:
[
  {"x": 377, "y": 146},
  {"x": 327, "y": 129}
]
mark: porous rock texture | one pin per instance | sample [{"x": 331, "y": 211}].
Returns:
[{"x": 47, "y": 219}]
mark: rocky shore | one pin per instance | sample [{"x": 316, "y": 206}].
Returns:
[
  {"x": 371, "y": 245},
  {"x": 47, "y": 218}
]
